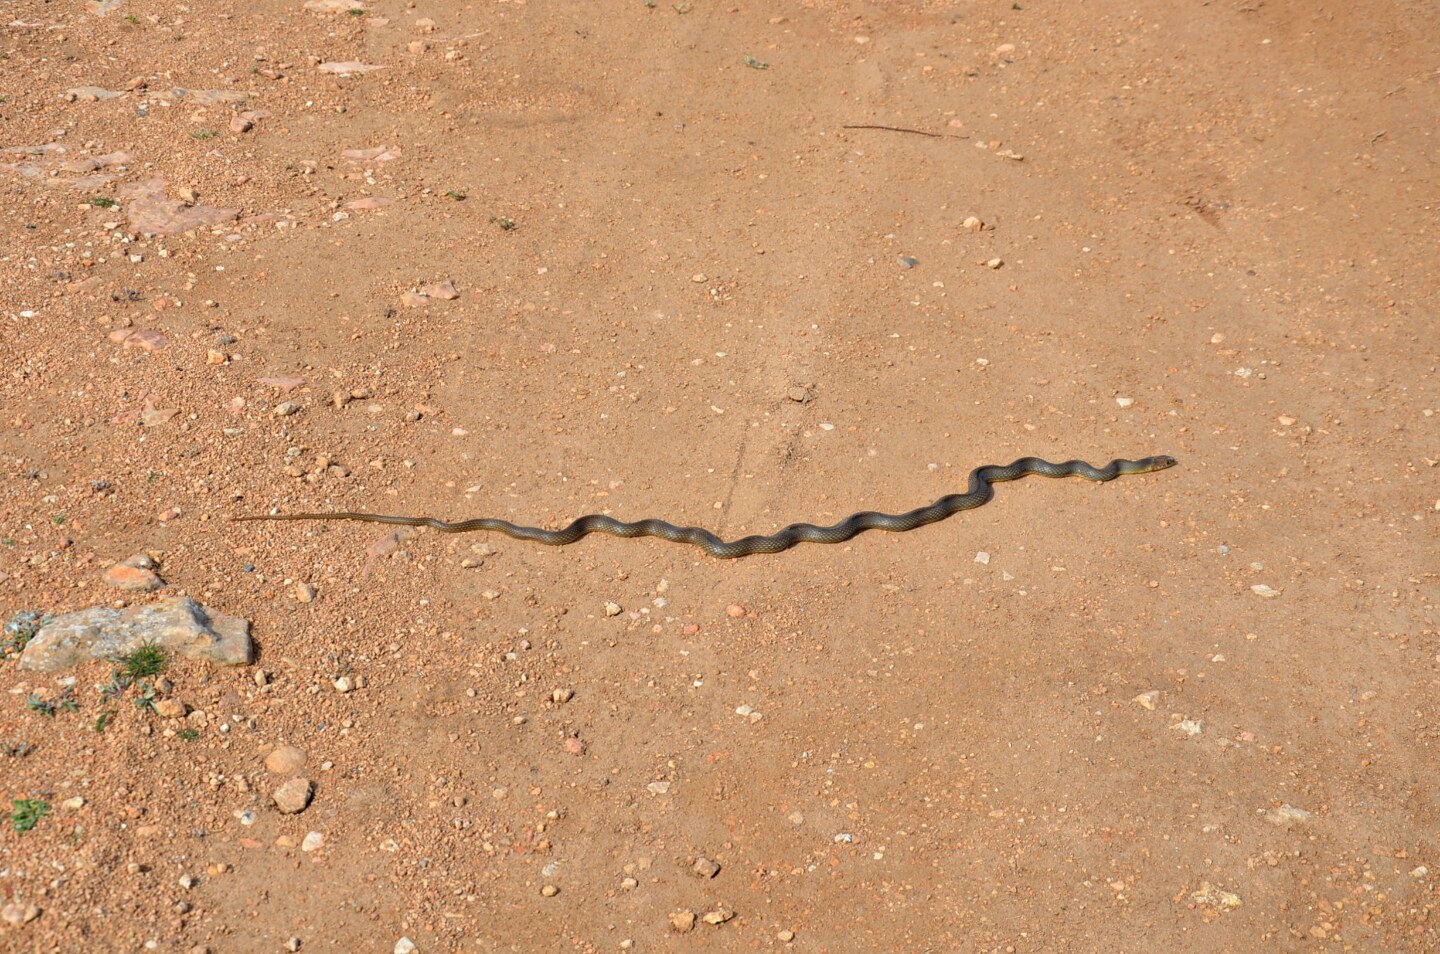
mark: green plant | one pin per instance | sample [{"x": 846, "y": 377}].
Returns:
[
  {"x": 101, "y": 202},
  {"x": 457, "y": 196},
  {"x": 28, "y": 812},
  {"x": 142, "y": 662},
  {"x": 102, "y": 721},
  {"x": 201, "y": 134},
  {"x": 36, "y": 704},
  {"x": 189, "y": 735},
  {"x": 755, "y": 64},
  {"x": 506, "y": 224},
  {"x": 21, "y": 628}
]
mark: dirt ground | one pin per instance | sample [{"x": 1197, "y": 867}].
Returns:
[{"x": 1187, "y": 711}]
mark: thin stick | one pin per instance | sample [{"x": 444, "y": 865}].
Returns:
[{"x": 917, "y": 132}]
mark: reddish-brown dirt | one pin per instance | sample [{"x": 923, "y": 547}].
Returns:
[{"x": 1207, "y": 230}]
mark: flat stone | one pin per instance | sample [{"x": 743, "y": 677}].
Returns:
[
  {"x": 1288, "y": 816},
  {"x": 151, "y": 213},
  {"x": 718, "y": 916},
  {"x": 705, "y": 868},
  {"x": 176, "y": 623},
  {"x": 682, "y": 922}
]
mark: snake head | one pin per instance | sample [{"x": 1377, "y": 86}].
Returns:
[{"x": 1162, "y": 462}]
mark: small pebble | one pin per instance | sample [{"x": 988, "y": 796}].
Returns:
[
  {"x": 613, "y": 609},
  {"x": 305, "y": 593},
  {"x": 404, "y": 946},
  {"x": 1189, "y": 727},
  {"x": 574, "y": 746},
  {"x": 995, "y": 263},
  {"x": 562, "y": 695},
  {"x": 1147, "y": 700},
  {"x": 734, "y": 611},
  {"x": 73, "y": 804},
  {"x": 293, "y": 944},
  {"x": 982, "y": 557},
  {"x": 785, "y": 937},
  {"x": 972, "y": 223},
  {"x": 698, "y": 278},
  {"x": 1265, "y": 591},
  {"x": 682, "y": 922},
  {"x": 1124, "y": 401},
  {"x": 718, "y": 916},
  {"x": 286, "y": 408},
  {"x": 908, "y": 261},
  {"x": 549, "y": 891},
  {"x": 705, "y": 868},
  {"x": 658, "y": 788},
  {"x": 344, "y": 684},
  {"x": 313, "y": 842},
  {"x": 188, "y": 881}
]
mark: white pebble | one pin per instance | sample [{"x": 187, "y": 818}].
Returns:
[
  {"x": 982, "y": 557},
  {"x": 404, "y": 946},
  {"x": 1124, "y": 401}
]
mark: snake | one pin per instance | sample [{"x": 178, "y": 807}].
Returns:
[{"x": 979, "y": 493}]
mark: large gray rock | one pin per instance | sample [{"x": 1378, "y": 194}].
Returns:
[{"x": 177, "y": 623}]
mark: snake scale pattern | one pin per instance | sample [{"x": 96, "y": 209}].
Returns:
[{"x": 979, "y": 493}]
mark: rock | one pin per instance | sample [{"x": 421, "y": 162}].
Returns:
[
  {"x": 91, "y": 94},
  {"x": 972, "y": 223},
  {"x": 151, "y": 213},
  {"x": 348, "y": 68},
  {"x": 285, "y": 759},
  {"x": 798, "y": 395},
  {"x": 908, "y": 261},
  {"x": 294, "y": 796},
  {"x": 718, "y": 916},
  {"x": 445, "y": 291},
  {"x": 367, "y": 204},
  {"x": 549, "y": 891},
  {"x": 314, "y": 841},
  {"x": 170, "y": 709},
  {"x": 574, "y": 746},
  {"x": 73, "y": 804},
  {"x": 142, "y": 338},
  {"x": 1288, "y": 816},
  {"x": 1189, "y": 727},
  {"x": 705, "y": 868},
  {"x": 785, "y": 937},
  {"x": 241, "y": 124},
  {"x": 334, "y": 6},
  {"x": 562, "y": 695},
  {"x": 734, "y": 611},
  {"x": 995, "y": 263},
  {"x": 613, "y": 609},
  {"x": 1264, "y": 591},
  {"x": 404, "y": 946},
  {"x": 16, "y": 914},
  {"x": 1147, "y": 700},
  {"x": 293, "y": 944},
  {"x": 658, "y": 788},
  {"x": 1214, "y": 896},
  {"x": 305, "y": 593},
  {"x": 1125, "y": 401},
  {"x": 176, "y": 623},
  {"x": 344, "y": 684},
  {"x": 188, "y": 881},
  {"x": 286, "y": 408},
  {"x": 682, "y": 922},
  {"x": 138, "y": 579}
]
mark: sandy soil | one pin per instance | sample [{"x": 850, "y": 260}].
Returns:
[{"x": 1188, "y": 711}]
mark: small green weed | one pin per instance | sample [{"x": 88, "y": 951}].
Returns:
[
  {"x": 101, "y": 202},
  {"x": 28, "y": 812},
  {"x": 21, "y": 628},
  {"x": 189, "y": 735},
  {"x": 143, "y": 662},
  {"x": 755, "y": 64},
  {"x": 506, "y": 224}
]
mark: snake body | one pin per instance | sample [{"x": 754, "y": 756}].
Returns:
[{"x": 979, "y": 493}]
